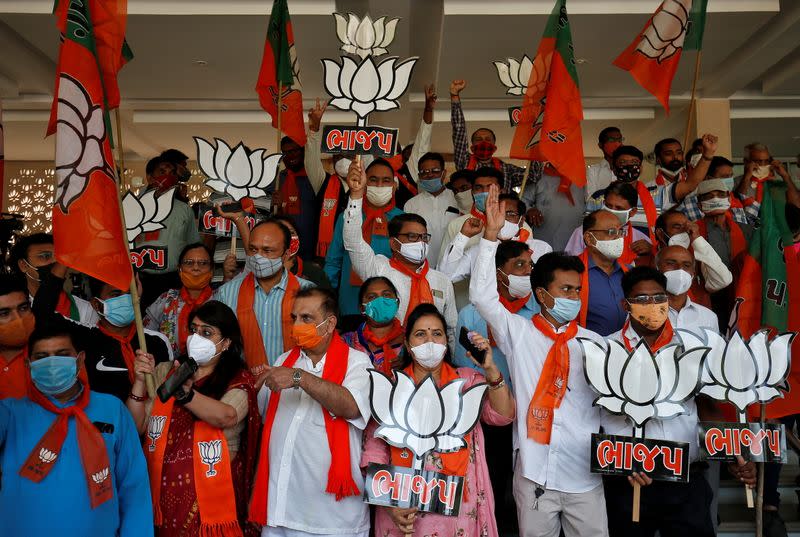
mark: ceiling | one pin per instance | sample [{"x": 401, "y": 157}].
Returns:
[{"x": 196, "y": 63}]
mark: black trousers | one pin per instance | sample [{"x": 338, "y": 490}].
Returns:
[
  {"x": 672, "y": 509},
  {"x": 500, "y": 460}
]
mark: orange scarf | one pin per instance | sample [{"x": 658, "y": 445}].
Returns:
[
  {"x": 552, "y": 383},
  {"x": 212, "y": 477},
  {"x": 290, "y": 194},
  {"x": 514, "y": 306},
  {"x": 523, "y": 235},
  {"x": 420, "y": 288},
  {"x": 298, "y": 267},
  {"x": 189, "y": 305},
  {"x": 454, "y": 463},
  {"x": 564, "y": 184},
  {"x": 340, "y": 478},
  {"x": 477, "y": 214},
  {"x": 663, "y": 338},
  {"x": 397, "y": 163},
  {"x": 649, "y": 207},
  {"x": 327, "y": 216},
  {"x": 738, "y": 245},
  {"x": 385, "y": 343},
  {"x": 254, "y": 352},
  {"x": 584, "y": 257},
  {"x": 473, "y": 163},
  {"x": 91, "y": 445},
  {"x": 128, "y": 355}
]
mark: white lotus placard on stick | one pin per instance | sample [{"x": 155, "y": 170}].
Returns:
[
  {"x": 514, "y": 74},
  {"x": 420, "y": 419},
  {"x": 238, "y": 172},
  {"x": 364, "y": 37},
  {"x": 146, "y": 213}
]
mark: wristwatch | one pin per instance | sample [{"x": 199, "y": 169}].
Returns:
[{"x": 296, "y": 376}]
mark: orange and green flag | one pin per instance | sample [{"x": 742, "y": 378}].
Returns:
[
  {"x": 768, "y": 287},
  {"x": 279, "y": 75},
  {"x": 550, "y": 119},
  {"x": 652, "y": 58},
  {"x": 87, "y": 224}
]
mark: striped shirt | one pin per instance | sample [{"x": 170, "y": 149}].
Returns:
[{"x": 267, "y": 307}]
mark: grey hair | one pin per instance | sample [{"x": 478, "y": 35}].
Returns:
[{"x": 755, "y": 146}]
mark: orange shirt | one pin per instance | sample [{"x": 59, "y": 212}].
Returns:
[{"x": 13, "y": 377}]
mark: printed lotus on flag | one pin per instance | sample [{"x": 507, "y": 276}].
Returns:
[
  {"x": 745, "y": 372},
  {"x": 365, "y": 87},
  {"x": 81, "y": 133},
  {"x": 514, "y": 74},
  {"x": 146, "y": 212},
  {"x": 664, "y": 37},
  {"x": 236, "y": 172},
  {"x": 47, "y": 456},
  {"x": 364, "y": 37},
  {"x": 99, "y": 477},
  {"x": 640, "y": 384},
  {"x": 424, "y": 418}
]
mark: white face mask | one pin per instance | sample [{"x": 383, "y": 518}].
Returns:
[
  {"x": 429, "y": 355},
  {"x": 695, "y": 159},
  {"x": 464, "y": 201},
  {"x": 611, "y": 249},
  {"x": 415, "y": 252},
  {"x": 678, "y": 281},
  {"x": 761, "y": 172},
  {"x": 623, "y": 216},
  {"x": 680, "y": 239},
  {"x": 508, "y": 231},
  {"x": 715, "y": 204},
  {"x": 518, "y": 286},
  {"x": 379, "y": 196},
  {"x": 201, "y": 350},
  {"x": 342, "y": 167}
]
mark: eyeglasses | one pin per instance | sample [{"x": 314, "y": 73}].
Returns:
[
  {"x": 647, "y": 299},
  {"x": 512, "y": 214},
  {"x": 416, "y": 237},
  {"x": 201, "y": 263},
  {"x": 615, "y": 139},
  {"x": 613, "y": 232},
  {"x": 431, "y": 172},
  {"x": 203, "y": 330}
]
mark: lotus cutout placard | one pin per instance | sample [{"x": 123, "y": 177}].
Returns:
[
  {"x": 238, "y": 172},
  {"x": 514, "y": 74},
  {"x": 363, "y": 37},
  {"x": 146, "y": 212},
  {"x": 420, "y": 419}
]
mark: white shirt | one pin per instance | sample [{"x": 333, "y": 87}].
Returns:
[
  {"x": 598, "y": 177},
  {"x": 367, "y": 264},
  {"x": 299, "y": 456},
  {"x": 682, "y": 428},
  {"x": 693, "y": 317},
  {"x": 563, "y": 465},
  {"x": 715, "y": 273},
  {"x": 576, "y": 245},
  {"x": 437, "y": 211},
  {"x": 458, "y": 263}
]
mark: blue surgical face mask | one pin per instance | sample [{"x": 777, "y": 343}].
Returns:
[
  {"x": 118, "y": 310},
  {"x": 54, "y": 374},
  {"x": 382, "y": 309},
  {"x": 431, "y": 185},
  {"x": 480, "y": 201},
  {"x": 564, "y": 310},
  {"x": 728, "y": 183}
]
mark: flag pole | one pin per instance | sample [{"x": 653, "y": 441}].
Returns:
[
  {"x": 760, "y": 484},
  {"x": 278, "y": 143},
  {"x": 692, "y": 101},
  {"x": 137, "y": 312}
]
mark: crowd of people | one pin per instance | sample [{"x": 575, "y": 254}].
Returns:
[{"x": 377, "y": 263}]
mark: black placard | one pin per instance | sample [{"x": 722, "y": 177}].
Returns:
[
  {"x": 149, "y": 257},
  {"x": 398, "y": 486},
  {"x": 352, "y": 140},
  {"x": 514, "y": 113},
  {"x": 209, "y": 223},
  {"x": 757, "y": 442},
  {"x": 661, "y": 460}
]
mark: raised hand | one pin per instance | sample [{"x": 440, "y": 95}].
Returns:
[
  {"x": 315, "y": 116},
  {"x": 495, "y": 218},
  {"x": 356, "y": 179},
  {"x": 455, "y": 89},
  {"x": 488, "y": 365},
  {"x": 710, "y": 143},
  {"x": 230, "y": 267},
  {"x": 430, "y": 97},
  {"x": 403, "y": 518},
  {"x": 779, "y": 169},
  {"x": 471, "y": 227}
]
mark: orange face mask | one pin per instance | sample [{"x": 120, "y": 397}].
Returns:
[
  {"x": 15, "y": 334},
  {"x": 305, "y": 336},
  {"x": 196, "y": 281}
]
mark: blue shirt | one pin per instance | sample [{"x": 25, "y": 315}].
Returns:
[
  {"x": 267, "y": 307},
  {"x": 605, "y": 314},
  {"x": 59, "y": 504},
  {"x": 338, "y": 266},
  {"x": 471, "y": 319}
]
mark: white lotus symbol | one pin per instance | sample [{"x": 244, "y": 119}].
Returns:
[
  {"x": 146, "y": 212},
  {"x": 80, "y": 141},
  {"x": 665, "y": 34},
  {"x": 745, "y": 372},
  {"x": 364, "y": 37},
  {"x": 235, "y": 171},
  {"x": 100, "y": 476},
  {"x": 639, "y": 384},
  {"x": 155, "y": 426},
  {"x": 514, "y": 74},
  {"x": 210, "y": 454},
  {"x": 364, "y": 87},
  {"x": 47, "y": 456},
  {"x": 424, "y": 418}
]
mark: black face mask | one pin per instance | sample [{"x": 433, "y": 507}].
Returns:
[
  {"x": 628, "y": 173},
  {"x": 673, "y": 166},
  {"x": 43, "y": 271}
]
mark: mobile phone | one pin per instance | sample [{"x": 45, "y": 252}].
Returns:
[
  {"x": 231, "y": 207},
  {"x": 176, "y": 380},
  {"x": 463, "y": 339}
]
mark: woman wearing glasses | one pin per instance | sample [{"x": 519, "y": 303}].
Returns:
[{"x": 169, "y": 314}]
